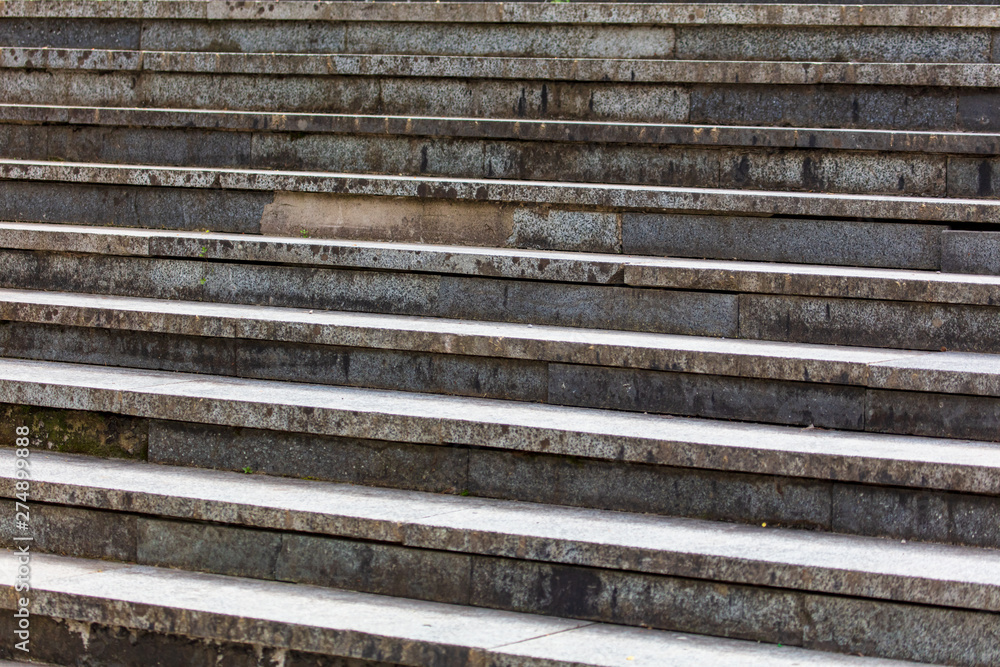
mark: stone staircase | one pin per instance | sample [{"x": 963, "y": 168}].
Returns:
[{"x": 352, "y": 334}]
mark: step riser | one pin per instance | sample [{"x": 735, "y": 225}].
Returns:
[
  {"x": 735, "y": 168},
  {"x": 833, "y": 242},
  {"x": 862, "y": 107},
  {"x": 688, "y": 394},
  {"x": 789, "y": 318},
  {"x": 521, "y": 40},
  {"x": 830, "y": 506},
  {"x": 855, "y": 44},
  {"x": 841, "y": 624},
  {"x": 62, "y": 641}
]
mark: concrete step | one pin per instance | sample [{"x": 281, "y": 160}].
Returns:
[
  {"x": 754, "y": 301},
  {"x": 687, "y": 31},
  {"x": 903, "y": 487},
  {"x": 842, "y": 229},
  {"x": 880, "y": 162},
  {"x": 898, "y": 96},
  {"x": 898, "y": 391},
  {"x": 202, "y": 617},
  {"x": 495, "y": 554}
]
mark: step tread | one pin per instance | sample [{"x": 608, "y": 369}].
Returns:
[
  {"x": 616, "y": 196},
  {"x": 980, "y": 143},
  {"x": 955, "y": 465},
  {"x": 739, "y": 276},
  {"x": 744, "y": 72},
  {"x": 920, "y": 573},
  {"x": 906, "y": 370},
  {"x": 527, "y": 12},
  {"x": 310, "y": 618}
]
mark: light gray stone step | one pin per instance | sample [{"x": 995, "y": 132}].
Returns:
[
  {"x": 668, "y": 155},
  {"x": 306, "y": 193},
  {"x": 905, "y": 488},
  {"x": 493, "y": 554},
  {"x": 824, "y": 305},
  {"x": 790, "y": 14},
  {"x": 853, "y": 566},
  {"x": 310, "y": 622},
  {"x": 897, "y": 391},
  {"x": 431, "y": 419},
  {"x": 701, "y": 32},
  {"x": 932, "y": 96},
  {"x": 615, "y": 70},
  {"x": 889, "y": 141},
  {"x": 886, "y": 244},
  {"x": 535, "y": 265}
]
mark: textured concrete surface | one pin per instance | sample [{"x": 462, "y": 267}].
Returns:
[
  {"x": 833, "y": 242},
  {"x": 522, "y": 129},
  {"x": 795, "y": 560},
  {"x": 891, "y": 324},
  {"x": 306, "y": 618},
  {"x": 484, "y": 157},
  {"x": 792, "y": 14},
  {"x": 557, "y": 194},
  {"x": 462, "y": 297},
  {"x": 525, "y": 427},
  {"x": 971, "y": 252},
  {"x": 946, "y": 75}
]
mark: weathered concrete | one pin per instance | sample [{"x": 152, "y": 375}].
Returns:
[
  {"x": 461, "y": 297},
  {"x": 775, "y": 73},
  {"x": 971, "y": 252},
  {"x": 485, "y": 157},
  {"x": 793, "y": 560},
  {"x": 618, "y": 197},
  {"x": 834, "y": 242},
  {"x": 306, "y": 618},
  {"x": 521, "y": 129},
  {"x": 525, "y": 427},
  {"x": 891, "y": 324}
]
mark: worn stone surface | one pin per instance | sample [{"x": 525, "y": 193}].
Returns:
[
  {"x": 915, "y": 515},
  {"x": 940, "y": 415},
  {"x": 385, "y": 569},
  {"x": 901, "y": 631},
  {"x": 353, "y": 461},
  {"x": 971, "y": 252},
  {"x": 837, "y": 172},
  {"x": 576, "y": 196},
  {"x": 422, "y": 418},
  {"x": 638, "y": 600},
  {"x": 370, "y": 291},
  {"x": 854, "y": 44},
  {"x": 539, "y": 69},
  {"x": 73, "y": 531},
  {"x": 342, "y": 623},
  {"x": 125, "y": 206},
  {"x": 871, "y": 323},
  {"x": 207, "y": 547},
  {"x": 386, "y": 369},
  {"x": 712, "y": 396},
  {"x": 76, "y": 431},
  {"x": 598, "y": 134},
  {"x": 829, "y": 106},
  {"x": 62, "y": 641},
  {"x": 973, "y": 177},
  {"x": 822, "y": 563},
  {"x": 836, "y": 242},
  {"x": 76, "y": 34}
]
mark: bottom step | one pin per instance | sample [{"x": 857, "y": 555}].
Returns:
[{"x": 100, "y": 613}]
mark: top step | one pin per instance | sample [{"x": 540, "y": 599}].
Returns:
[{"x": 823, "y": 32}]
